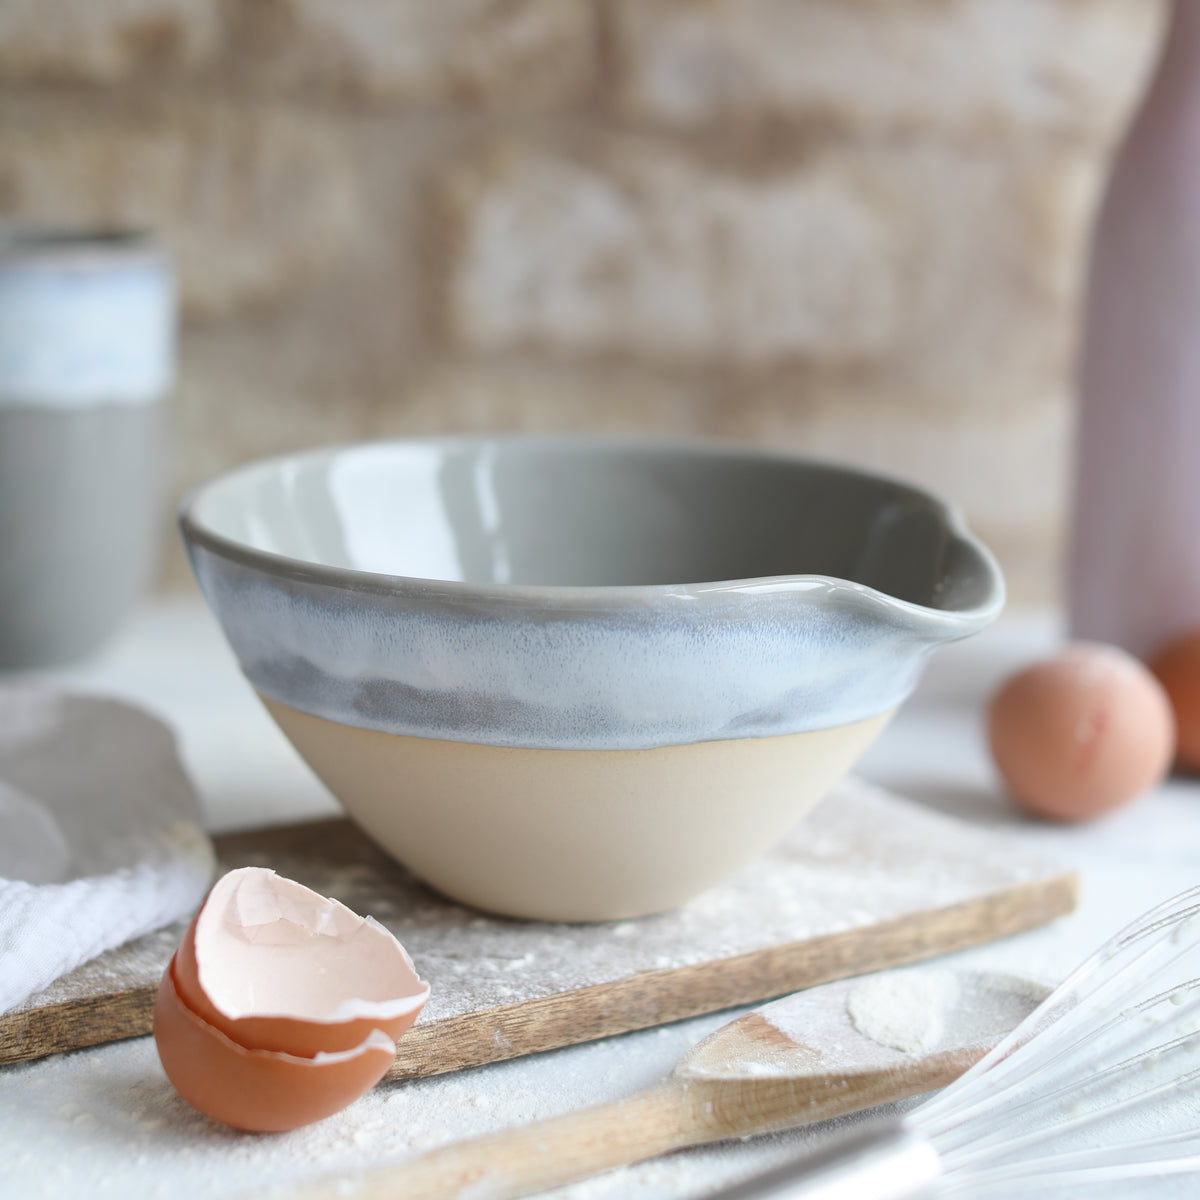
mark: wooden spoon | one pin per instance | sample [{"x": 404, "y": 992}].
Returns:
[{"x": 797, "y": 1061}]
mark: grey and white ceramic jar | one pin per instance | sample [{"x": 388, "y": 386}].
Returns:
[{"x": 87, "y": 337}]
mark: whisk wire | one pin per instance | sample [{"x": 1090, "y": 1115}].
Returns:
[
  {"x": 1024, "y": 1110},
  {"x": 1027, "y": 1092},
  {"x": 1079, "y": 1168},
  {"x": 964, "y": 1155},
  {"x": 1038, "y": 1115},
  {"x": 1062, "y": 1014}
]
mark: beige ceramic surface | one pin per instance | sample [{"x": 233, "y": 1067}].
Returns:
[{"x": 574, "y": 835}]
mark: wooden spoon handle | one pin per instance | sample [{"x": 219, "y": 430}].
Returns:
[
  {"x": 535, "y": 1157},
  {"x": 681, "y": 1112}
]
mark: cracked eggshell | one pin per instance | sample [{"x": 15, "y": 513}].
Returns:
[
  {"x": 259, "y": 1090},
  {"x": 281, "y": 1006},
  {"x": 275, "y": 966}
]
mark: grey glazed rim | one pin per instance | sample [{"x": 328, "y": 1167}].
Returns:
[{"x": 592, "y": 597}]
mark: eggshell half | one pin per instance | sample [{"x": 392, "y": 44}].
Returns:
[
  {"x": 276, "y": 966},
  {"x": 260, "y": 1090}
]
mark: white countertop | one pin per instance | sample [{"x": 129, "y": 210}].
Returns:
[{"x": 105, "y": 1122}]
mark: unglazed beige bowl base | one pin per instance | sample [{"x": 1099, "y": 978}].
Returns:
[{"x": 574, "y": 835}]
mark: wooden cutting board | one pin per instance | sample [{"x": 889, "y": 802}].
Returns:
[{"x": 867, "y": 881}]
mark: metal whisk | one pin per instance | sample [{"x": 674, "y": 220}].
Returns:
[{"x": 1056, "y": 1104}]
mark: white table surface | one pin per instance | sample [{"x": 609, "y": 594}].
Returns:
[{"x": 104, "y": 1122}]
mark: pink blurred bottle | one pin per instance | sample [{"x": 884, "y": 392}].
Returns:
[{"x": 1134, "y": 572}]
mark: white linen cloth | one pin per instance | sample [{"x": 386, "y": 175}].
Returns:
[{"x": 101, "y": 834}]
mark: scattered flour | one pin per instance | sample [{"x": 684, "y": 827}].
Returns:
[
  {"x": 138, "y": 1138},
  {"x": 864, "y": 856},
  {"x": 929, "y": 1008},
  {"x": 908, "y": 1011}
]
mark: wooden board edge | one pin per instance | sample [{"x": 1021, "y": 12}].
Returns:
[
  {"x": 650, "y": 998},
  {"x": 662, "y": 996},
  {"x": 74, "y": 1024}
]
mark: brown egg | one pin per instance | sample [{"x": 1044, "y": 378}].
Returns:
[
  {"x": 279, "y": 1004},
  {"x": 1177, "y": 667},
  {"x": 1081, "y": 733}
]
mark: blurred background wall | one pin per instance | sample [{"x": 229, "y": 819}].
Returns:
[{"x": 853, "y": 228}]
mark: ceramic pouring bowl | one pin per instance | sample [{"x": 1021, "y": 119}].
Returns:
[{"x": 572, "y": 679}]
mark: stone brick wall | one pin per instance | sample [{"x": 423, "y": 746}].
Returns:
[{"x": 853, "y": 228}]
